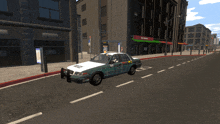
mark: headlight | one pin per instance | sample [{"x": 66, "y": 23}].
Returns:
[{"x": 80, "y": 73}]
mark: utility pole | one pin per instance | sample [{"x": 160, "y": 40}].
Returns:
[{"x": 73, "y": 42}]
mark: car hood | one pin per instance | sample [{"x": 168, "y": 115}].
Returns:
[{"x": 84, "y": 66}]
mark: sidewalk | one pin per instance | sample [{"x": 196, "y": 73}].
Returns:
[{"x": 17, "y": 74}]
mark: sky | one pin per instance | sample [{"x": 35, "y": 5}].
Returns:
[{"x": 206, "y": 12}]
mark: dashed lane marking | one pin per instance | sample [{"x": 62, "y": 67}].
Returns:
[
  {"x": 86, "y": 97},
  {"x": 125, "y": 83},
  {"x": 184, "y": 63},
  {"x": 26, "y": 118},
  {"x": 178, "y": 65},
  {"x": 161, "y": 71},
  {"x": 143, "y": 68},
  {"x": 147, "y": 76},
  {"x": 171, "y": 67}
]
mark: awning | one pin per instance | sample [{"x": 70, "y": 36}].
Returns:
[
  {"x": 137, "y": 37},
  {"x": 182, "y": 43},
  {"x": 168, "y": 43},
  {"x": 148, "y": 41}
]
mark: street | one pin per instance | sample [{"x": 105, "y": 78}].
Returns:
[{"x": 169, "y": 90}]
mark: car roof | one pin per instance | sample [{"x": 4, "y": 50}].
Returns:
[{"x": 112, "y": 53}]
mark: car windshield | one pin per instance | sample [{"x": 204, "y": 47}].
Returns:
[{"x": 101, "y": 58}]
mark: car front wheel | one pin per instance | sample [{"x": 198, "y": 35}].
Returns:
[
  {"x": 96, "y": 79},
  {"x": 132, "y": 71}
]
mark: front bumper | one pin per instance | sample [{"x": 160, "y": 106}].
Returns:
[{"x": 65, "y": 73}]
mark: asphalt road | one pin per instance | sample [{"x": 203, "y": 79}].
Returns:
[{"x": 186, "y": 93}]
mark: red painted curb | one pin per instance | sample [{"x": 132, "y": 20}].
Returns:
[
  {"x": 27, "y": 78},
  {"x": 56, "y": 72}
]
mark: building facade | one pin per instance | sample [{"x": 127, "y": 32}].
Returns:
[
  {"x": 179, "y": 24},
  {"x": 113, "y": 22},
  {"x": 26, "y": 25},
  {"x": 197, "y": 36}
]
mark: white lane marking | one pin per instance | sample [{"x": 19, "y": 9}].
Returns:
[
  {"x": 161, "y": 71},
  {"x": 141, "y": 69},
  {"x": 28, "y": 81},
  {"x": 147, "y": 76},
  {"x": 86, "y": 97},
  {"x": 184, "y": 63},
  {"x": 171, "y": 67},
  {"x": 178, "y": 65},
  {"x": 188, "y": 61},
  {"x": 26, "y": 118},
  {"x": 125, "y": 83}
]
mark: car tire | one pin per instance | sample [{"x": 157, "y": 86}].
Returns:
[
  {"x": 96, "y": 79},
  {"x": 68, "y": 79},
  {"x": 62, "y": 73},
  {"x": 132, "y": 70}
]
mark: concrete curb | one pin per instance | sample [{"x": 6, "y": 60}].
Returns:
[{"x": 57, "y": 72}]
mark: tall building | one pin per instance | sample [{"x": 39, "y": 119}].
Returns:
[
  {"x": 179, "y": 24},
  {"x": 112, "y": 23},
  {"x": 197, "y": 36},
  {"x": 29, "y": 24}
]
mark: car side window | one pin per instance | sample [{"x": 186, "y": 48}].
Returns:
[
  {"x": 115, "y": 58},
  {"x": 124, "y": 58}
]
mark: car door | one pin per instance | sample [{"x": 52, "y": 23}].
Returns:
[
  {"x": 108, "y": 69},
  {"x": 126, "y": 62},
  {"x": 117, "y": 64}
]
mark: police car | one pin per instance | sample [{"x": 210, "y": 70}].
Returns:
[{"x": 100, "y": 67}]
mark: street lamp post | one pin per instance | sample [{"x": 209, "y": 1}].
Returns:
[{"x": 167, "y": 33}]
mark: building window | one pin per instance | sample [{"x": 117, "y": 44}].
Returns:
[
  {"x": 185, "y": 36},
  {"x": 158, "y": 31},
  {"x": 198, "y": 29},
  {"x": 84, "y": 35},
  {"x": 83, "y": 7},
  {"x": 151, "y": 30},
  {"x": 3, "y": 5},
  {"x": 198, "y": 34},
  {"x": 167, "y": 9},
  {"x": 190, "y": 35},
  {"x": 103, "y": 11},
  {"x": 197, "y": 41},
  {"x": 49, "y": 9},
  {"x": 104, "y": 27},
  {"x": 161, "y": 4},
  {"x": 84, "y": 22},
  {"x": 190, "y": 41},
  {"x": 191, "y": 29}
]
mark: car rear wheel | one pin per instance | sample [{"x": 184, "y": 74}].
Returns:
[
  {"x": 96, "y": 79},
  {"x": 132, "y": 70}
]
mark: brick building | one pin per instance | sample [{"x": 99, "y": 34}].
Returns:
[
  {"x": 197, "y": 36},
  {"x": 115, "y": 21},
  {"x": 29, "y": 24}
]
